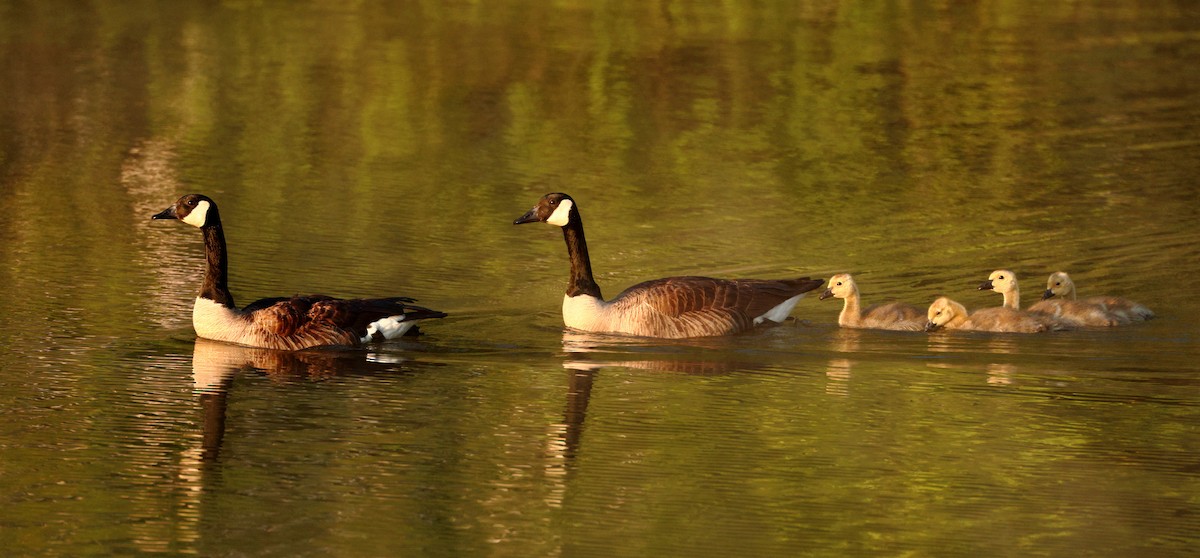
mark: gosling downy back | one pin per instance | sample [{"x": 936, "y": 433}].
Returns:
[
  {"x": 1071, "y": 314},
  {"x": 948, "y": 314},
  {"x": 892, "y": 315},
  {"x": 1060, "y": 287}
]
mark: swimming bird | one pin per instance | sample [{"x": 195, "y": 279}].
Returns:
[
  {"x": 293, "y": 323},
  {"x": 891, "y": 315},
  {"x": 674, "y": 307},
  {"x": 1060, "y": 284},
  {"x": 1004, "y": 281},
  {"x": 946, "y": 313}
]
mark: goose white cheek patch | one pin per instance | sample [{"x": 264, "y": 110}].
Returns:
[
  {"x": 198, "y": 216},
  {"x": 562, "y": 214}
]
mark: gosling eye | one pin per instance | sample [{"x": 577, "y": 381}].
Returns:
[
  {"x": 1058, "y": 284},
  {"x": 839, "y": 283},
  {"x": 1001, "y": 277}
]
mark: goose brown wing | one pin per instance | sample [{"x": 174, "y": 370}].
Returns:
[
  {"x": 330, "y": 320},
  {"x": 283, "y": 317},
  {"x": 736, "y": 302},
  {"x": 356, "y": 314}
]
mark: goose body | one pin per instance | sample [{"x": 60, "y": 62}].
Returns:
[
  {"x": 1072, "y": 313},
  {"x": 892, "y": 315},
  {"x": 946, "y": 313},
  {"x": 1061, "y": 289},
  {"x": 287, "y": 323},
  {"x": 674, "y": 307}
]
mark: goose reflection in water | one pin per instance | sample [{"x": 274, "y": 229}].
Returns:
[
  {"x": 593, "y": 351},
  {"x": 587, "y": 353},
  {"x": 216, "y": 364}
]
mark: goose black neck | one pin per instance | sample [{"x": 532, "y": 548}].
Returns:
[
  {"x": 216, "y": 271},
  {"x": 581, "y": 282}
]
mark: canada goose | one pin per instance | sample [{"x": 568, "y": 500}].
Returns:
[
  {"x": 675, "y": 307},
  {"x": 952, "y": 315},
  {"x": 284, "y": 323},
  {"x": 1004, "y": 282},
  {"x": 1060, "y": 284},
  {"x": 891, "y": 315}
]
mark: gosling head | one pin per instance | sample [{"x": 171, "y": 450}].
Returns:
[
  {"x": 1002, "y": 281},
  {"x": 196, "y": 210},
  {"x": 555, "y": 209},
  {"x": 840, "y": 286},
  {"x": 1059, "y": 284},
  {"x": 943, "y": 311}
]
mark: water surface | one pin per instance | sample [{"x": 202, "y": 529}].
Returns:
[{"x": 370, "y": 150}]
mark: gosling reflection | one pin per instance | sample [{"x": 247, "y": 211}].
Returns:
[
  {"x": 993, "y": 344},
  {"x": 997, "y": 373},
  {"x": 1000, "y": 374},
  {"x": 838, "y": 371}
]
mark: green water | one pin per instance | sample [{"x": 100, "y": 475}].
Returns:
[{"x": 372, "y": 149}]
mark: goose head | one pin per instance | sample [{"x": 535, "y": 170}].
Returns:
[
  {"x": 943, "y": 311},
  {"x": 555, "y": 209},
  {"x": 1002, "y": 281},
  {"x": 196, "y": 210},
  {"x": 840, "y": 286},
  {"x": 1059, "y": 284}
]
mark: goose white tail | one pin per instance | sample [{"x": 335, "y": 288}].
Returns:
[
  {"x": 390, "y": 327},
  {"x": 781, "y": 312}
]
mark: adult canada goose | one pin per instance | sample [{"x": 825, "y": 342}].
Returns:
[
  {"x": 284, "y": 323},
  {"x": 952, "y": 315},
  {"x": 1004, "y": 282},
  {"x": 1060, "y": 284},
  {"x": 891, "y": 315},
  {"x": 675, "y": 307}
]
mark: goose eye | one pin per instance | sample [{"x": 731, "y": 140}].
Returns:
[{"x": 192, "y": 202}]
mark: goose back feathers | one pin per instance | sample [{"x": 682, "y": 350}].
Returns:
[
  {"x": 288, "y": 323},
  {"x": 674, "y": 307}
]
